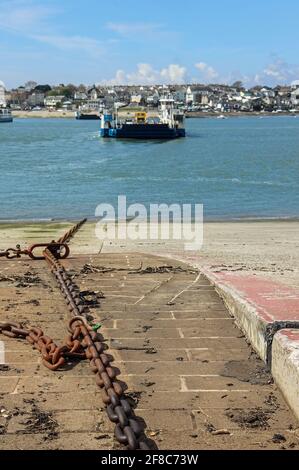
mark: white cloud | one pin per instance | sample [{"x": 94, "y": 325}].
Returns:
[
  {"x": 19, "y": 17},
  {"x": 207, "y": 72},
  {"x": 278, "y": 72},
  {"x": 147, "y": 75},
  {"x": 85, "y": 44},
  {"x": 31, "y": 20},
  {"x": 128, "y": 29},
  {"x": 174, "y": 73}
]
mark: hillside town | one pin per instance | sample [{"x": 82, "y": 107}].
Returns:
[{"x": 191, "y": 98}]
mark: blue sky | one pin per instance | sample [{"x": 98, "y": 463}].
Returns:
[{"x": 162, "y": 41}]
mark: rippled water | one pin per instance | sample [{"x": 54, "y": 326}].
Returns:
[{"x": 240, "y": 167}]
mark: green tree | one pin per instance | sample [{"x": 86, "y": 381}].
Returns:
[{"x": 238, "y": 84}]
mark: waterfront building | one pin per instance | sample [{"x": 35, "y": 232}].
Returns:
[
  {"x": 295, "y": 97},
  {"x": 36, "y": 99},
  {"x": 93, "y": 94},
  {"x": 136, "y": 99},
  {"x": 80, "y": 96},
  {"x": 53, "y": 101}
]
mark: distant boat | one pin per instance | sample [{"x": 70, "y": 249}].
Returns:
[
  {"x": 221, "y": 117},
  {"x": 87, "y": 116},
  {"x": 5, "y": 115},
  {"x": 168, "y": 125}
]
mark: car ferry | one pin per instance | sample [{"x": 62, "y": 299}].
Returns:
[{"x": 169, "y": 124}]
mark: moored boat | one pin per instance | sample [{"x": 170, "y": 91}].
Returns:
[
  {"x": 5, "y": 115},
  {"x": 87, "y": 116}
]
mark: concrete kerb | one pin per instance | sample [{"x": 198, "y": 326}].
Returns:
[
  {"x": 258, "y": 331},
  {"x": 285, "y": 366}
]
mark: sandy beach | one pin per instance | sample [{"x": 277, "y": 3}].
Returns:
[
  {"x": 266, "y": 248},
  {"x": 45, "y": 114}
]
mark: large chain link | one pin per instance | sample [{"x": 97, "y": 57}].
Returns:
[{"x": 128, "y": 430}]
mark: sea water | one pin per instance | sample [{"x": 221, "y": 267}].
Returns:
[{"x": 244, "y": 167}]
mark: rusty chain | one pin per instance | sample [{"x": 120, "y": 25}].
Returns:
[
  {"x": 61, "y": 251},
  {"x": 128, "y": 430},
  {"x": 60, "y": 248},
  {"x": 82, "y": 342},
  {"x": 53, "y": 357},
  {"x": 70, "y": 233}
]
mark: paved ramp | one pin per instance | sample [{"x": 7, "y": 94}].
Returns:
[{"x": 194, "y": 380}]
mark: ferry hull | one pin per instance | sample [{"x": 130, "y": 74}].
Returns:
[
  {"x": 6, "y": 119},
  {"x": 144, "y": 132}
]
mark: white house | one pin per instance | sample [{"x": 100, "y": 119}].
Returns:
[
  {"x": 196, "y": 96},
  {"x": 189, "y": 96},
  {"x": 295, "y": 97},
  {"x": 136, "y": 99},
  {"x": 268, "y": 92},
  {"x": 2, "y": 94},
  {"x": 80, "y": 96},
  {"x": 53, "y": 101},
  {"x": 93, "y": 94}
]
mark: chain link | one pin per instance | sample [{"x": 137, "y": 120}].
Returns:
[{"x": 60, "y": 250}]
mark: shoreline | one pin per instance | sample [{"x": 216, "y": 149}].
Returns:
[
  {"x": 189, "y": 115},
  {"x": 236, "y": 220}
]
